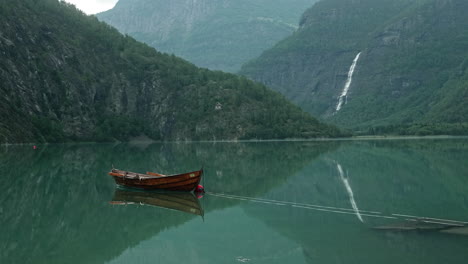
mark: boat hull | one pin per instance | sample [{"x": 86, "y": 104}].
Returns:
[{"x": 185, "y": 182}]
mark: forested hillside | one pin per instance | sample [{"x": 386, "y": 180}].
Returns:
[
  {"x": 411, "y": 76},
  {"x": 66, "y": 76},
  {"x": 216, "y": 34}
]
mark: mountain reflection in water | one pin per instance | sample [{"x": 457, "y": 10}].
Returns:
[
  {"x": 56, "y": 207},
  {"x": 267, "y": 202}
]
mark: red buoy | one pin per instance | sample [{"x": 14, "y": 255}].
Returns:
[{"x": 200, "y": 189}]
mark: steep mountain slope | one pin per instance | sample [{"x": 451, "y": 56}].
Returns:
[
  {"x": 411, "y": 75},
  {"x": 67, "y": 76},
  {"x": 216, "y": 34}
]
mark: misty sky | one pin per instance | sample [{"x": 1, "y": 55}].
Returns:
[{"x": 93, "y": 6}]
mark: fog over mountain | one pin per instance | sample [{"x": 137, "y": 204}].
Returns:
[
  {"x": 93, "y": 6},
  {"x": 216, "y": 34}
]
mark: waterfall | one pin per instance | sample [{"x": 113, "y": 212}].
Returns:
[
  {"x": 348, "y": 83},
  {"x": 350, "y": 192}
]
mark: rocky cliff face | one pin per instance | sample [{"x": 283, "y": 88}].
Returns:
[
  {"x": 412, "y": 62},
  {"x": 216, "y": 34},
  {"x": 66, "y": 76}
]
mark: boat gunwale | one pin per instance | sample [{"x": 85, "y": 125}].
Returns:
[{"x": 147, "y": 176}]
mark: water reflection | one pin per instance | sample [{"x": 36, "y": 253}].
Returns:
[
  {"x": 394, "y": 182},
  {"x": 184, "y": 202},
  {"x": 350, "y": 191},
  {"x": 55, "y": 208},
  {"x": 267, "y": 202},
  {"x": 425, "y": 225}
]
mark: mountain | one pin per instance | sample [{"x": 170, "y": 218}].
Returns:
[
  {"x": 66, "y": 76},
  {"x": 215, "y": 34},
  {"x": 411, "y": 75}
]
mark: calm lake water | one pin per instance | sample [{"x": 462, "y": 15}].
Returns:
[{"x": 375, "y": 201}]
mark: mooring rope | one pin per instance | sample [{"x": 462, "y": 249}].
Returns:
[{"x": 340, "y": 210}]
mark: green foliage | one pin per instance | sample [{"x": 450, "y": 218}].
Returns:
[
  {"x": 48, "y": 130},
  {"x": 67, "y": 76},
  {"x": 412, "y": 68},
  {"x": 121, "y": 128},
  {"x": 419, "y": 129}
]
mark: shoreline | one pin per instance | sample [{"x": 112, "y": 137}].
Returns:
[{"x": 355, "y": 138}]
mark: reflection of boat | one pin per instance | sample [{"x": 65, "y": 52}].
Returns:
[
  {"x": 184, "y": 202},
  {"x": 186, "y": 182}
]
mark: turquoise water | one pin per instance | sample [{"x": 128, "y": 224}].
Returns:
[{"x": 374, "y": 201}]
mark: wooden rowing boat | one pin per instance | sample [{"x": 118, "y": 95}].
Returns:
[
  {"x": 185, "y": 182},
  {"x": 184, "y": 202}
]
